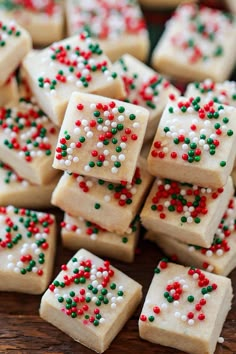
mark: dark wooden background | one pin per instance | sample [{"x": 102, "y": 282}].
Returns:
[{"x": 23, "y": 331}]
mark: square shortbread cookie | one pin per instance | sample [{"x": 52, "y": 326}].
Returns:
[
  {"x": 42, "y": 19},
  {"x": 76, "y": 233},
  {"x": 195, "y": 142},
  {"x": 101, "y": 137},
  {"x": 15, "y": 43},
  {"x": 119, "y": 27},
  {"x": 219, "y": 258},
  {"x": 74, "y": 64},
  {"x": 111, "y": 205},
  {"x": 146, "y": 88},
  {"x": 9, "y": 91},
  {"x": 185, "y": 308},
  {"x": 27, "y": 141},
  {"x": 186, "y": 212},
  {"x": 27, "y": 248},
  {"x": 198, "y": 43},
  {"x": 90, "y": 299},
  {"x": 23, "y": 194},
  {"x": 219, "y": 92}
]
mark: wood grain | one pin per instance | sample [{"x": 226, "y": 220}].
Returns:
[{"x": 23, "y": 331}]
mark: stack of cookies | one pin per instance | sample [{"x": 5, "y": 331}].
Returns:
[{"x": 190, "y": 211}]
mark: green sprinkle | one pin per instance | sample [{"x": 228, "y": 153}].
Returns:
[
  {"x": 190, "y": 298},
  {"x": 222, "y": 163}
]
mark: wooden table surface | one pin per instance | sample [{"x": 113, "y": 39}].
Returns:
[{"x": 23, "y": 331}]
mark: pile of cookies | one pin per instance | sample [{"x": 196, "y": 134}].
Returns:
[{"x": 87, "y": 127}]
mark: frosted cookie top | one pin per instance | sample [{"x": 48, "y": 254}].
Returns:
[
  {"x": 198, "y": 43},
  {"x": 194, "y": 131},
  {"x": 222, "y": 243},
  {"x": 106, "y": 19},
  {"x": 9, "y": 176},
  {"x": 199, "y": 137},
  {"x": 101, "y": 137},
  {"x": 48, "y": 7},
  {"x": 200, "y": 32},
  {"x": 25, "y": 240},
  {"x": 26, "y": 130},
  {"x": 223, "y": 93},
  {"x": 120, "y": 194},
  {"x": 185, "y": 202},
  {"x": 80, "y": 226},
  {"x": 77, "y": 62},
  {"x": 9, "y": 32},
  {"x": 144, "y": 86},
  {"x": 186, "y": 296},
  {"x": 91, "y": 291}
]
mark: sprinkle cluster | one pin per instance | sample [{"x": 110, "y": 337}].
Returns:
[
  {"x": 93, "y": 230},
  {"x": 122, "y": 192},
  {"x": 47, "y": 7},
  {"x": 87, "y": 290},
  {"x": 143, "y": 90},
  {"x": 75, "y": 64},
  {"x": 220, "y": 244},
  {"x": 195, "y": 131},
  {"x": 27, "y": 130},
  {"x": 177, "y": 291},
  {"x": 222, "y": 93},
  {"x": 30, "y": 230},
  {"x": 10, "y": 176},
  {"x": 104, "y": 133},
  {"x": 203, "y": 32},
  {"x": 187, "y": 201},
  {"x": 106, "y": 19},
  {"x": 8, "y": 31}
]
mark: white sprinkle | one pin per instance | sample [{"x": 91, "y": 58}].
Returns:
[
  {"x": 67, "y": 162},
  {"x": 136, "y": 125},
  {"x": 89, "y": 134},
  {"x": 121, "y": 157},
  {"x": 114, "y": 170},
  {"x": 113, "y": 158},
  {"x": 209, "y": 253},
  {"x": 191, "y": 249},
  {"x": 99, "y": 144},
  {"x": 107, "y": 198},
  {"x": 164, "y": 306},
  {"x": 87, "y": 168},
  {"x": 219, "y": 253},
  {"x": 221, "y": 340},
  {"x": 77, "y": 131}
]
